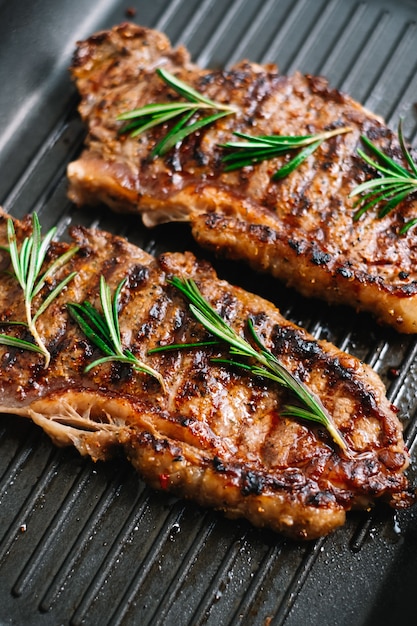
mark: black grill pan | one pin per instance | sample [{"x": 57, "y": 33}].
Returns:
[{"x": 91, "y": 544}]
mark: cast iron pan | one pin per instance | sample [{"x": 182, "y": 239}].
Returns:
[{"x": 91, "y": 544}]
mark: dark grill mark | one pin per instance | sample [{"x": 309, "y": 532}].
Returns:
[
  {"x": 252, "y": 484},
  {"x": 157, "y": 311},
  {"x": 321, "y": 499},
  {"x": 121, "y": 372},
  {"x": 262, "y": 233},
  {"x": 297, "y": 246},
  {"x": 320, "y": 258},
  {"x": 288, "y": 341},
  {"x": 218, "y": 465},
  {"x": 137, "y": 276},
  {"x": 409, "y": 289},
  {"x": 345, "y": 272}
]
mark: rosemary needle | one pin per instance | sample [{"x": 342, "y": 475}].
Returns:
[
  {"x": 264, "y": 147},
  {"x": 392, "y": 183},
  {"x": 151, "y": 115},
  {"x": 104, "y": 331},
  {"x": 27, "y": 265},
  {"x": 267, "y": 365}
]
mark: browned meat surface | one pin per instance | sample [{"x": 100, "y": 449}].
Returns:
[
  {"x": 215, "y": 435},
  {"x": 300, "y": 229}
]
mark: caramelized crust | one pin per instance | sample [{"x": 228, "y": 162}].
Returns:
[
  {"x": 216, "y": 435},
  {"x": 301, "y": 229}
]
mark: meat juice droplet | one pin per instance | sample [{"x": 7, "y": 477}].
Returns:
[
  {"x": 396, "y": 525},
  {"x": 175, "y": 529}
]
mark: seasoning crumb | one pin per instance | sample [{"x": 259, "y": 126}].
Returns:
[
  {"x": 130, "y": 12},
  {"x": 393, "y": 372}
]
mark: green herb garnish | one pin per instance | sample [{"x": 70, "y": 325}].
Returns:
[
  {"x": 104, "y": 331},
  {"x": 256, "y": 149},
  {"x": 267, "y": 365},
  {"x": 27, "y": 264},
  {"x": 150, "y": 115},
  {"x": 393, "y": 182}
]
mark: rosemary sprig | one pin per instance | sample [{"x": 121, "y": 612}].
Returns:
[
  {"x": 151, "y": 115},
  {"x": 104, "y": 331},
  {"x": 256, "y": 149},
  {"x": 27, "y": 264},
  {"x": 267, "y": 365},
  {"x": 393, "y": 182}
]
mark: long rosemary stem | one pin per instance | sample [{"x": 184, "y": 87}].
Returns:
[{"x": 266, "y": 363}]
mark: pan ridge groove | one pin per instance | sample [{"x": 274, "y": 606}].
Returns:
[
  {"x": 251, "y": 31},
  {"x": 345, "y": 35},
  {"x": 28, "y": 574},
  {"x": 258, "y": 580},
  {"x": 153, "y": 554},
  {"x": 296, "y": 583},
  {"x": 225, "y": 23},
  {"x": 27, "y": 507},
  {"x": 394, "y": 59},
  {"x": 214, "y": 591},
  {"x": 81, "y": 540},
  {"x": 294, "y": 13},
  {"x": 113, "y": 556},
  {"x": 204, "y": 529},
  {"x": 320, "y": 25},
  {"x": 195, "y": 20},
  {"x": 17, "y": 462},
  {"x": 363, "y": 49},
  {"x": 409, "y": 358},
  {"x": 61, "y": 131},
  {"x": 166, "y": 14}
]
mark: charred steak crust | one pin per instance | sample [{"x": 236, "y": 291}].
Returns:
[
  {"x": 217, "y": 436},
  {"x": 301, "y": 229}
]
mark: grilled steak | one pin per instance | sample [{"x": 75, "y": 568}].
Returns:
[
  {"x": 216, "y": 434},
  {"x": 301, "y": 228}
]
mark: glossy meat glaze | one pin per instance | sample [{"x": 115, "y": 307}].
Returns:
[
  {"x": 301, "y": 229},
  {"x": 215, "y": 434}
]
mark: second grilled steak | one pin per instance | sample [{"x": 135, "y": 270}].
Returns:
[
  {"x": 301, "y": 228},
  {"x": 215, "y": 434}
]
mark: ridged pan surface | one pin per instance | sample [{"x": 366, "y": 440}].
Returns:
[{"x": 91, "y": 544}]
